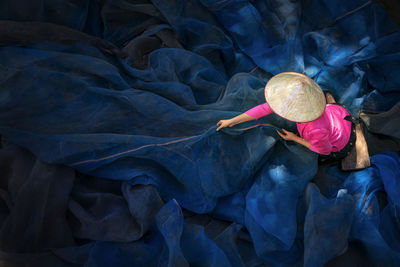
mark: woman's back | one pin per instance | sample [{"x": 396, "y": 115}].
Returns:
[{"x": 330, "y": 132}]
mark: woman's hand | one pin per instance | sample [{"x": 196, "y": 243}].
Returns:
[
  {"x": 289, "y": 136},
  {"x": 292, "y": 137},
  {"x": 225, "y": 123},
  {"x": 235, "y": 120}
]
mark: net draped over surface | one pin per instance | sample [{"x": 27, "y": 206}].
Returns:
[{"x": 110, "y": 153}]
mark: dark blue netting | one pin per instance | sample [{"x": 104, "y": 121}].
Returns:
[{"x": 110, "y": 155}]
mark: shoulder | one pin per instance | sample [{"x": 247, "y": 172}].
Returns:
[{"x": 335, "y": 109}]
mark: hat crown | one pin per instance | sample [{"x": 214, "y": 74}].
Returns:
[{"x": 295, "y": 97}]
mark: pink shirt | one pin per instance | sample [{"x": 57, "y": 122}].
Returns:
[{"x": 329, "y": 133}]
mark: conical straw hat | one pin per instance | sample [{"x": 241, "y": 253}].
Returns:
[{"x": 295, "y": 97}]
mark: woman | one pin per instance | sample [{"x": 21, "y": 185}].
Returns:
[{"x": 324, "y": 126}]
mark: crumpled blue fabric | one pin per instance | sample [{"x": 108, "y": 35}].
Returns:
[
  {"x": 113, "y": 106},
  {"x": 327, "y": 225}
]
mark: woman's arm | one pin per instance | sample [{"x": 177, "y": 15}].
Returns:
[
  {"x": 235, "y": 120},
  {"x": 292, "y": 137},
  {"x": 301, "y": 141},
  {"x": 242, "y": 118},
  {"x": 250, "y": 115}
]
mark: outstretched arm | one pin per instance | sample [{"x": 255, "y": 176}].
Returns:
[
  {"x": 252, "y": 114},
  {"x": 235, "y": 120}
]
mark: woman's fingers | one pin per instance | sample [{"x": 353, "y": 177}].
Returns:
[
  {"x": 280, "y": 134},
  {"x": 219, "y": 123},
  {"x": 221, "y": 126},
  {"x": 284, "y": 135}
]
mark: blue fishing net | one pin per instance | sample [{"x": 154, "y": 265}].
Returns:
[{"x": 110, "y": 154}]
